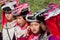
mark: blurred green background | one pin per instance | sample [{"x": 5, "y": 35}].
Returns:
[
  {"x": 36, "y": 5},
  {"x": 39, "y": 4}
]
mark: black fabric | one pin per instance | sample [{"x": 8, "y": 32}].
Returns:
[
  {"x": 41, "y": 18},
  {"x": 31, "y": 17},
  {"x": 14, "y": 37},
  {"x": 6, "y": 9},
  {"x": 42, "y": 34},
  {"x": 0, "y": 35},
  {"x": 24, "y": 12}
]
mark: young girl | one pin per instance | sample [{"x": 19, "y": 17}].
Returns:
[
  {"x": 37, "y": 31},
  {"x": 8, "y": 31},
  {"x": 22, "y": 23}
]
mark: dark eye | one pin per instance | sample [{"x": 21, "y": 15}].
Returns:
[
  {"x": 19, "y": 18},
  {"x": 36, "y": 24},
  {"x": 8, "y": 12}
]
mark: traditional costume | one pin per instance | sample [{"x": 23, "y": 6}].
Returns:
[
  {"x": 22, "y": 11},
  {"x": 40, "y": 36},
  {"x": 8, "y": 31}
]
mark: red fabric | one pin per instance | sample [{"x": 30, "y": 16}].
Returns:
[
  {"x": 33, "y": 36},
  {"x": 30, "y": 37},
  {"x": 58, "y": 22},
  {"x": 22, "y": 38},
  {"x": 52, "y": 25},
  {"x": 4, "y": 20}
]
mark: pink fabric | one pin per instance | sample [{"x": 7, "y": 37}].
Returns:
[
  {"x": 22, "y": 38},
  {"x": 20, "y": 7},
  {"x": 34, "y": 37},
  {"x": 53, "y": 5}
]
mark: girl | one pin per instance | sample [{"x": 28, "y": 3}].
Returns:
[
  {"x": 37, "y": 31},
  {"x": 8, "y": 31},
  {"x": 21, "y": 22}
]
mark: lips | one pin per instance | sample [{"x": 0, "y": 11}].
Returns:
[{"x": 34, "y": 30}]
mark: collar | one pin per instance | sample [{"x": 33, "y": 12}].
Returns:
[{"x": 10, "y": 24}]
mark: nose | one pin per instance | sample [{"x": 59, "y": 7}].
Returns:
[{"x": 7, "y": 15}]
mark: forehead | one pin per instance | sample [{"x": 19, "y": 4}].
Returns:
[
  {"x": 19, "y": 17},
  {"x": 34, "y": 23}
]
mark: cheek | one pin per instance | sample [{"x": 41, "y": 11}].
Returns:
[
  {"x": 37, "y": 28},
  {"x": 8, "y": 15},
  {"x": 11, "y": 16},
  {"x": 21, "y": 21},
  {"x": 31, "y": 28},
  {"x": 18, "y": 20}
]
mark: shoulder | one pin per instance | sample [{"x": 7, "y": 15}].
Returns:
[{"x": 16, "y": 28}]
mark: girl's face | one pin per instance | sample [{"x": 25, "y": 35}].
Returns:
[
  {"x": 9, "y": 16},
  {"x": 34, "y": 26},
  {"x": 21, "y": 21}
]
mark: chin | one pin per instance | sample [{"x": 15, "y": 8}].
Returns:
[
  {"x": 35, "y": 32},
  {"x": 9, "y": 19},
  {"x": 21, "y": 25}
]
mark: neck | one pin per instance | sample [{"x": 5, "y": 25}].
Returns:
[
  {"x": 10, "y": 20},
  {"x": 25, "y": 26},
  {"x": 36, "y": 34}
]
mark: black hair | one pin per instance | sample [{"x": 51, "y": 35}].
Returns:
[
  {"x": 41, "y": 18},
  {"x": 7, "y": 9},
  {"x": 23, "y": 13},
  {"x": 42, "y": 32},
  {"x": 22, "y": 16}
]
